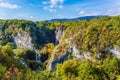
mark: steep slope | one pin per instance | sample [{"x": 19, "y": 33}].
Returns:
[
  {"x": 61, "y": 44},
  {"x": 93, "y": 40}
]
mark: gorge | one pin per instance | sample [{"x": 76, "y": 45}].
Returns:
[{"x": 61, "y": 50}]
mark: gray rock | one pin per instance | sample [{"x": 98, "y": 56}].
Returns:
[
  {"x": 72, "y": 49},
  {"x": 115, "y": 51},
  {"x": 24, "y": 40},
  {"x": 60, "y": 31},
  {"x": 55, "y": 61}
]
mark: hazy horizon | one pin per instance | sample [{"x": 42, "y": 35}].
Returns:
[{"x": 39, "y": 10}]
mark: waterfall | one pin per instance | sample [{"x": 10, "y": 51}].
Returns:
[
  {"x": 22, "y": 62},
  {"x": 37, "y": 57}
]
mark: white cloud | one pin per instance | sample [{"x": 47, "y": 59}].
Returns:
[
  {"x": 89, "y": 13},
  {"x": 110, "y": 12},
  {"x": 53, "y": 5},
  {"x": 1, "y": 18},
  {"x": 50, "y": 9},
  {"x": 8, "y": 5},
  {"x": 82, "y": 12},
  {"x": 32, "y": 17}
]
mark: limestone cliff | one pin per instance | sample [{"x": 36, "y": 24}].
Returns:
[
  {"x": 59, "y": 34},
  {"x": 24, "y": 40}
]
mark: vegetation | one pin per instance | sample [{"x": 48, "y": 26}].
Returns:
[{"x": 92, "y": 36}]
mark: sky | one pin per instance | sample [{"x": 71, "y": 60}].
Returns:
[{"x": 38, "y": 10}]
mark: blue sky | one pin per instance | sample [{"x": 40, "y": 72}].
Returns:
[{"x": 38, "y": 10}]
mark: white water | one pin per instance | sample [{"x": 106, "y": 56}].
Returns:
[
  {"x": 22, "y": 62},
  {"x": 37, "y": 56}
]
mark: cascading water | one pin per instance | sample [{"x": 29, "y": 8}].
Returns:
[
  {"x": 37, "y": 57},
  {"x": 22, "y": 62}
]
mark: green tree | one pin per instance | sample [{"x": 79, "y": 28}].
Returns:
[{"x": 2, "y": 71}]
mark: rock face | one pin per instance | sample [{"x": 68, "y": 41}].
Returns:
[
  {"x": 60, "y": 31},
  {"x": 76, "y": 53},
  {"x": 115, "y": 51},
  {"x": 23, "y": 40},
  {"x": 72, "y": 51},
  {"x": 55, "y": 61},
  {"x": 59, "y": 34}
]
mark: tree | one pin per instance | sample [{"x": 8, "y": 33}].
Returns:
[
  {"x": 111, "y": 67},
  {"x": 2, "y": 71},
  {"x": 68, "y": 70},
  {"x": 6, "y": 50}
]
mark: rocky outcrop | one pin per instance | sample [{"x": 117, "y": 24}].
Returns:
[
  {"x": 76, "y": 53},
  {"x": 115, "y": 51},
  {"x": 55, "y": 61},
  {"x": 84, "y": 55},
  {"x": 72, "y": 51},
  {"x": 60, "y": 31},
  {"x": 24, "y": 40},
  {"x": 59, "y": 34}
]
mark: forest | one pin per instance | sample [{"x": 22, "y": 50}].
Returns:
[{"x": 60, "y": 50}]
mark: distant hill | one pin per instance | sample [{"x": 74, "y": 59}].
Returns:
[{"x": 74, "y": 19}]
